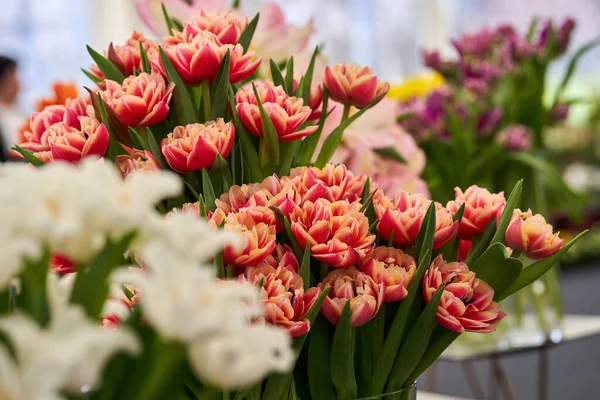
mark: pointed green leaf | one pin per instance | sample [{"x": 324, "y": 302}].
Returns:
[
  {"x": 91, "y": 76},
  {"x": 480, "y": 245},
  {"x": 219, "y": 172},
  {"x": 168, "y": 19},
  {"x": 177, "y": 24},
  {"x": 246, "y": 37},
  {"x": 220, "y": 95},
  {"x": 248, "y": 150},
  {"x": 496, "y": 268},
  {"x": 155, "y": 149},
  {"x": 144, "y": 58},
  {"x": 28, "y": 156},
  {"x": 319, "y": 371},
  {"x": 208, "y": 191},
  {"x": 509, "y": 274},
  {"x": 415, "y": 345},
  {"x": 295, "y": 245},
  {"x": 309, "y": 144},
  {"x": 531, "y": 273},
  {"x": 108, "y": 69},
  {"x": 31, "y": 297},
  {"x": 424, "y": 241},
  {"x": 532, "y": 28},
  {"x": 390, "y": 153},
  {"x": 366, "y": 192},
  {"x": 342, "y": 357},
  {"x": 202, "y": 206},
  {"x": 573, "y": 65},
  {"x": 450, "y": 250},
  {"x": 289, "y": 151},
  {"x": 289, "y": 77},
  {"x": 513, "y": 201},
  {"x": 268, "y": 151},
  {"x": 183, "y": 104},
  {"x": 311, "y": 316},
  {"x": 308, "y": 77},
  {"x": 138, "y": 142},
  {"x": 305, "y": 267},
  {"x": 276, "y": 74},
  {"x": 439, "y": 341}
]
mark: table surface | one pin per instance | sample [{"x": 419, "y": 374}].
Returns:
[
  {"x": 435, "y": 396},
  {"x": 573, "y": 327}
]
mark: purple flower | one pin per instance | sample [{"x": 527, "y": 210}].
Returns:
[
  {"x": 515, "y": 138},
  {"x": 558, "y": 113},
  {"x": 489, "y": 121}
]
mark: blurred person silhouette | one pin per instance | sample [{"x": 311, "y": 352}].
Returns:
[{"x": 11, "y": 117}]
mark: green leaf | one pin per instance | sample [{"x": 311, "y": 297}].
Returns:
[
  {"x": 269, "y": 144},
  {"x": 424, "y": 241},
  {"x": 183, "y": 104},
  {"x": 155, "y": 149},
  {"x": 177, "y": 24},
  {"x": 415, "y": 345},
  {"x": 32, "y": 296},
  {"x": 506, "y": 276},
  {"x": 108, "y": 69},
  {"x": 532, "y": 28},
  {"x": 342, "y": 357},
  {"x": 289, "y": 76},
  {"x": 289, "y": 151},
  {"x": 208, "y": 191},
  {"x": 168, "y": 19},
  {"x": 29, "y": 156},
  {"x": 366, "y": 192},
  {"x": 220, "y": 95},
  {"x": 311, "y": 316},
  {"x": 309, "y": 144},
  {"x": 220, "y": 173},
  {"x": 482, "y": 242},
  {"x": 305, "y": 267},
  {"x": 91, "y": 285},
  {"x": 138, "y": 142},
  {"x": 450, "y": 250},
  {"x": 513, "y": 201},
  {"x": 144, "y": 58},
  {"x": 118, "y": 132},
  {"x": 390, "y": 153},
  {"x": 308, "y": 76},
  {"x": 319, "y": 370},
  {"x": 531, "y": 273},
  {"x": 91, "y": 76},
  {"x": 335, "y": 137},
  {"x": 403, "y": 117},
  {"x": 276, "y": 74},
  {"x": 388, "y": 354},
  {"x": 573, "y": 65},
  {"x": 290, "y": 233},
  {"x": 497, "y": 269},
  {"x": 248, "y": 150},
  {"x": 439, "y": 341},
  {"x": 246, "y": 37},
  {"x": 202, "y": 206}
]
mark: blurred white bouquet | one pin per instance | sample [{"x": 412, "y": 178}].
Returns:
[{"x": 169, "y": 327}]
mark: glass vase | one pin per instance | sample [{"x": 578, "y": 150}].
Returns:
[{"x": 409, "y": 393}]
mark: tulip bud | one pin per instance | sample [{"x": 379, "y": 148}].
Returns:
[
  {"x": 467, "y": 303},
  {"x": 531, "y": 235},
  {"x": 364, "y": 295},
  {"x": 515, "y": 138},
  {"x": 391, "y": 268},
  {"x": 353, "y": 84},
  {"x": 138, "y": 160},
  {"x": 195, "y": 146},
  {"x": 403, "y": 216}
]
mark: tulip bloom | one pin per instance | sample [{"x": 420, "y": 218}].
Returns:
[
  {"x": 283, "y": 298},
  {"x": 338, "y": 232},
  {"x": 364, "y": 295},
  {"x": 141, "y": 100},
  {"x": 61, "y": 264},
  {"x": 393, "y": 269},
  {"x": 315, "y": 99},
  {"x": 71, "y": 144},
  {"x": 195, "y": 146},
  {"x": 404, "y": 216},
  {"x": 127, "y": 58},
  {"x": 138, "y": 160},
  {"x": 481, "y": 207},
  {"x": 467, "y": 303},
  {"x": 531, "y": 235},
  {"x": 286, "y": 113},
  {"x": 353, "y": 84},
  {"x": 258, "y": 237},
  {"x": 445, "y": 226},
  {"x": 226, "y": 26},
  {"x": 198, "y": 57}
]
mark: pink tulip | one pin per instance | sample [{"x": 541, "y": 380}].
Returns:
[
  {"x": 445, "y": 227},
  {"x": 467, "y": 303},
  {"x": 338, "y": 232},
  {"x": 315, "y": 99},
  {"x": 258, "y": 235},
  {"x": 393, "y": 269},
  {"x": 141, "y": 100},
  {"x": 531, "y": 235},
  {"x": 353, "y": 84},
  {"x": 196, "y": 146},
  {"x": 364, "y": 295},
  {"x": 404, "y": 216},
  {"x": 225, "y": 25},
  {"x": 197, "y": 58},
  {"x": 127, "y": 58},
  {"x": 71, "y": 144},
  {"x": 286, "y": 113},
  {"x": 138, "y": 160},
  {"x": 61, "y": 264},
  {"x": 283, "y": 297},
  {"x": 481, "y": 207}
]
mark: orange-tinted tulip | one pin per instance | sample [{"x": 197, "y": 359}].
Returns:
[
  {"x": 364, "y": 295},
  {"x": 138, "y": 160},
  {"x": 393, "y": 269},
  {"x": 71, "y": 144},
  {"x": 467, "y": 303},
  {"x": 481, "y": 207},
  {"x": 127, "y": 57},
  {"x": 141, "y": 100},
  {"x": 226, "y": 26},
  {"x": 196, "y": 146},
  {"x": 338, "y": 232},
  {"x": 531, "y": 235},
  {"x": 353, "y": 84},
  {"x": 404, "y": 216}
]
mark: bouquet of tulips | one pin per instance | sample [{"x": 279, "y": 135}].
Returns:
[
  {"x": 492, "y": 112},
  {"x": 370, "y": 289}
]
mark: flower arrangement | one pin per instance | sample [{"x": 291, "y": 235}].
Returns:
[{"x": 370, "y": 288}]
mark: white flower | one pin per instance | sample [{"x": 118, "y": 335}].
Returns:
[
  {"x": 180, "y": 239},
  {"x": 12, "y": 252},
  {"x": 242, "y": 357},
  {"x": 187, "y": 303},
  {"x": 72, "y": 351}
]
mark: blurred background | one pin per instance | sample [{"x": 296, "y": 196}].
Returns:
[{"x": 48, "y": 40}]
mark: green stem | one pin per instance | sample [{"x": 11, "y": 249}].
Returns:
[
  {"x": 206, "y": 99},
  {"x": 346, "y": 113}
]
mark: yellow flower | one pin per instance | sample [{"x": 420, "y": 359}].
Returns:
[{"x": 416, "y": 86}]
